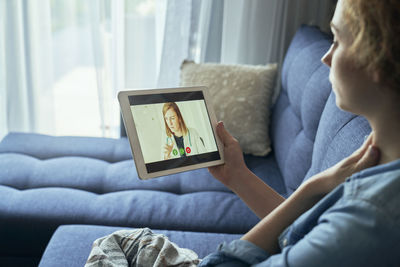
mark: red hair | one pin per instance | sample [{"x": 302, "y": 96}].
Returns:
[{"x": 174, "y": 107}]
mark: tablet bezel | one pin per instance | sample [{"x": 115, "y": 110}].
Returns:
[{"x": 123, "y": 98}]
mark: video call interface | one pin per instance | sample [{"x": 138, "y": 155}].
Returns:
[{"x": 174, "y": 130}]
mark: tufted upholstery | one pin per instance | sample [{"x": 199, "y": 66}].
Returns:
[
  {"x": 47, "y": 181},
  {"x": 296, "y": 115},
  {"x": 339, "y": 134},
  {"x": 310, "y": 133}
]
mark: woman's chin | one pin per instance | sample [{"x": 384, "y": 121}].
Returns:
[{"x": 341, "y": 105}]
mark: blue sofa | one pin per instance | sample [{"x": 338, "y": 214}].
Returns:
[{"x": 59, "y": 194}]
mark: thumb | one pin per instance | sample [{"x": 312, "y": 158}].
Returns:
[
  {"x": 223, "y": 134},
  {"x": 369, "y": 159}
]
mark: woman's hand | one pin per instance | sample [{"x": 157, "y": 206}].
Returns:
[
  {"x": 167, "y": 151},
  {"x": 234, "y": 165},
  {"x": 366, "y": 156},
  {"x": 235, "y": 175}
]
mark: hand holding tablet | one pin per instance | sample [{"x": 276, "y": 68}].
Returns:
[{"x": 170, "y": 130}]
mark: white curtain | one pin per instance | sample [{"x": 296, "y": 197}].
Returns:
[
  {"x": 252, "y": 31},
  {"x": 3, "y": 92},
  {"x": 259, "y": 31},
  {"x": 225, "y": 31},
  {"x": 63, "y": 61},
  {"x": 108, "y": 40},
  {"x": 26, "y": 64},
  {"x": 175, "y": 41},
  {"x": 62, "y": 66}
]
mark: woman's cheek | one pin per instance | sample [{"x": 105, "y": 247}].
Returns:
[{"x": 337, "y": 70}]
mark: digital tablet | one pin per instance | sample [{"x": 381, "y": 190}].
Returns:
[{"x": 170, "y": 130}]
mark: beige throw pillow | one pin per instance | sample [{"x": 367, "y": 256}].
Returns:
[{"x": 241, "y": 96}]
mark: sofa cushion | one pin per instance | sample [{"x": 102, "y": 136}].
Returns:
[
  {"x": 101, "y": 165},
  {"x": 44, "y": 147},
  {"x": 71, "y": 244},
  {"x": 241, "y": 97},
  {"x": 46, "y": 181},
  {"x": 296, "y": 114}
]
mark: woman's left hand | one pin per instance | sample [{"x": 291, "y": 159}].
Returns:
[{"x": 366, "y": 156}]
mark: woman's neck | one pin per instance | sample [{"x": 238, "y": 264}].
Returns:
[
  {"x": 388, "y": 144},
  {"x": 386, "y": 128},
  {"x": 178, "y": 133}
]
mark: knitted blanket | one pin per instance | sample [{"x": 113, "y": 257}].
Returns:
[{"x": 139, "y": 248}]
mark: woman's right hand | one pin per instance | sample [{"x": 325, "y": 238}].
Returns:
[
  {"x": 235, "y": 175},
  {"x": 234, "y": 165},
  {"x": 167, "y": 151}
]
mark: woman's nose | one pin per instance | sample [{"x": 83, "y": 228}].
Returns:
[{"x": 327, "y": 58}]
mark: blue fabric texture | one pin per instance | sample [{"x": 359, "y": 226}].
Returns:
[
  {"x": 47, "y": 181},
  {"x": 236, "y": 253},
  {"x": 297, "y": 112},
  {"x": 357, "y": 224},
  {"x": 337, "y": 137}
]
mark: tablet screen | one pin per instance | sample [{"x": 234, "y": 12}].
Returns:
[{"x": 174, "y": 130}]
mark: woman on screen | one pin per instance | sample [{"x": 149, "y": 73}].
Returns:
[{"x": 180, "y": 140}]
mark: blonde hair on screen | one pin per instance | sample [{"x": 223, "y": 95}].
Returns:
[{"x": 174, "y": 106}]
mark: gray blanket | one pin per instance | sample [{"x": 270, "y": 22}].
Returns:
[{"x": 139, "y": 248}]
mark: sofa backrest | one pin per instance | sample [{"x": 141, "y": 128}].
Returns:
[
  {"x": 309, "y": 133},
  {"x": 339, "y": 134},
  {"x": 297, "y": 111}
]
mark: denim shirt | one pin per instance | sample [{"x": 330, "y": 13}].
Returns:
[{"x": 357, "y": 224}]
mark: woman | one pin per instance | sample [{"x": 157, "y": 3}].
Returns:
[
  {"x": 179, "y": 141},
  {"x": 327, "y": 222}
]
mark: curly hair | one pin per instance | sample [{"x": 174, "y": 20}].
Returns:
[{"x": 375, "y": 26}]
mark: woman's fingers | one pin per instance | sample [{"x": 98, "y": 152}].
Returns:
[
  {"x": 167, "y": 149},
  {"x": 369, "y": 159},
  {"x": 366, "y": 156},
  {"x": 223, "y": 134},
  {"x": 359, "y": 153}
]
